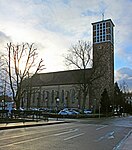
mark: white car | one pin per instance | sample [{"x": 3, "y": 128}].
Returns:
[
  {"x": 87, "y": 111},
  {"x": 74, "y": 112},
  {"x": 68, "y": 112},
  {"x": 65, "y": 112}
]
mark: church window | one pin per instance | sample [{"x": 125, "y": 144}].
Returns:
[
  {"x": 107, "y": 31},
  {"x": 62, "y": 94},
  {"x": 107, "y": 37},
  {"x": 104, "y": 25},
  {"x": 100, "y": 26},
  {"x": 97, "y": 26},
  {"x": 73, "y": 95},
  {"x": 43, "y": 95},
  {"x": 103, "y": 38},
  {"x": 57, "y": 94},
  {"x": 107, "y": 24},
  {"x": 94, "y": 27},
  {"x": 52, "y": 95},
  {"x": 103, "y": 31},
  {"x": 97, "y": 33}
]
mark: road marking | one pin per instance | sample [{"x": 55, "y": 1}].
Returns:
[
  {"x": 74, "y": 136},
  {"x": 28, "y": 134},
  {"x": 109, "y": 135},
  {"x": 101, "y": 127},
  {"x": 66, "y": 132},
  {"x": 33, "y": 139},
  {"x": 24, "y": 141},
  {"x": 99, "y": 139}
]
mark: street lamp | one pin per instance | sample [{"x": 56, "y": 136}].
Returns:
[
  {"x": 46, "y": 101},
  {"x": 57, "y": 105},
  {"x": 3, "y": 104}
]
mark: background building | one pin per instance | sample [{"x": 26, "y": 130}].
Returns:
[{"x": 61, "y": 89}]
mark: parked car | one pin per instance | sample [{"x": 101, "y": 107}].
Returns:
[
  {"x": 87, "y": 111},
  {"x": 74, "y": 112},
  {"x": 21, "y": 109},
  {"x": 68, "y": 111},
  {"x": 65, "y": 112}
]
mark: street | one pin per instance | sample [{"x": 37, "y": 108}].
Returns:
[{"x": 79, "y": 134}]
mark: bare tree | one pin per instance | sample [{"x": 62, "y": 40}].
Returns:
[
  {"x": 21, "y": 60},
  {"x": 124, "y": 87},
  {"x": 79, "y": 56},
  {"x": 3, "y": 78}
]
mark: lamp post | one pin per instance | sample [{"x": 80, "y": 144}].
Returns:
[
  {"x": 3, "y": 107},
  {"x": 3, "y": 104},
  {"x": 57, "y": 105},
  {"x": 46, "y": 101}
]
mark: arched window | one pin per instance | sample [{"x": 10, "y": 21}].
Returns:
[
  {"x": 33, "y": 95},
  {"x": 62, "y": 96},
  {"x": 67, "y": 98},
  {"x": 52, "y": 95},
  {"x": 72, "y": 92},
  {"x": 43, "y": 97},
  {"x": 47, "y": 98}
]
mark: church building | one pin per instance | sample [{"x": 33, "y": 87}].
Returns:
[{"x": 61, "y": 89}]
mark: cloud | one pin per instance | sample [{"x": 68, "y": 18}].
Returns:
[
  {"x": 4, "y": 39},
  {"x": 55, "y": 25},
  {"x": 124, "y": 76}
]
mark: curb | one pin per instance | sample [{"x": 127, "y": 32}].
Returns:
[
  {"x": 120, "y": 145},
  {"x": 31, "y": 125}
]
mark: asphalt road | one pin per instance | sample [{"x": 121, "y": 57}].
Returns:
[{"x": 87, "y": 134}]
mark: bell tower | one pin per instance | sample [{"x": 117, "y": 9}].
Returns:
[{"x": 103, "y": 54}]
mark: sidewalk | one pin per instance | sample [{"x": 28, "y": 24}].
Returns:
[{"x": 4, "y": 126}]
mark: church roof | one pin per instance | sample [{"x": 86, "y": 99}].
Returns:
[{"x": 59, "y": 78}]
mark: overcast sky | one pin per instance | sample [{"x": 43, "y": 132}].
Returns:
[{"x": 53, "y": 25}]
